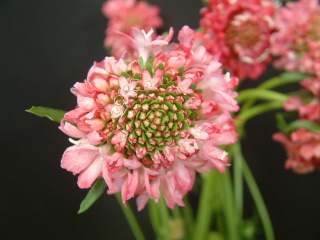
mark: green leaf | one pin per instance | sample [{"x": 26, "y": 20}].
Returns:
[
  {"x": 93, "y": 195},
  {"x": 53, "y": 114},
  {"x": 281, "y": 122},
  {"x": 311, "y": 126},
  {"x": 294, "y": 75}
]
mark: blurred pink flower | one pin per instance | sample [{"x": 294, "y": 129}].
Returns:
[
  {"x": 303, "y": 149},
  {"x": 240, "y": 30},
  {"x": 123, "y": 15},
  {"x": 308, "y": 107},
  {"x": 143, "y": 122},
  {"x": 297, "y": 41}
]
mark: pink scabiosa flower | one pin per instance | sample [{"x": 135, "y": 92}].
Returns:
[
  {"x": 308, "y": 106},
  {"x": 240, "y": 30},
  {"x": 297, "y": 41},
  {"x": 125, "y": 14},
  {"x": 152, "y": 123},
  {"x": 303, "y": 149}
]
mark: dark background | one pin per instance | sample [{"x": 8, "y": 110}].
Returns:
[{"x": 47, "y": 46}]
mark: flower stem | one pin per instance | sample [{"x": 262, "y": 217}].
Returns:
[
  {"x": 188, "y": 217},
  {"x": 238, "y": 178},
  {"x": 165, "y": 220},
  {"x": 154, "y": 216},
  {"x": 135, "y": 227},
  {"x": 203, "y": 219},
  {"x": 228, "y": 206},
  {"x": 283, "y": 79},
  {"x": 261, "y": 207},
  {"x": 244, "y": 116},
  {"x": 261, "y": 94}
]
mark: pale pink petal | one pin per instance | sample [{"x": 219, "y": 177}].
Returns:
[{"x": 78, "y": 157}]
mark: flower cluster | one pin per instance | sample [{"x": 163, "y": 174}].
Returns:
[
  {"x": 240, "y": 31},
  {"x": 303, "y": 146},
  {"x": 297, "y": 45},
  {"x": 296, "y": 42},
  {"x": 148, "y": 125},
  {"x": 154, "y": 114},
  {"x": 123, "y": 15}
]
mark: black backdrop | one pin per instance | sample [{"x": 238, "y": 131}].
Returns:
[{"x": 47, "y": 46}]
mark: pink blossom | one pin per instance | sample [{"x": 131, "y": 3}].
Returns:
[
  {"x": 147, "y": 130},
  {"x": 123, "y": 15},
  {"x": 296, "y": 43},
  {"x": 84, "y": 159},
  {"x": 303, "y": 150},
  {"x": 127, "y": 88},
  {"x": 307, "y": 107},
  {"x": 240, "y": 31},
  {"x": 119, "y": 138}
]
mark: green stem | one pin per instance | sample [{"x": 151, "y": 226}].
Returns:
[
  {"x": 165, "y": 219},
  {"x": 188, "y": 217},
  {"x": 228, "y": 206},
  {"x": 176, "y": 212},
  {"x": 238, "y": 178},
  {"x": 244, "y": 116},
  {"x": 154, "y": 216},
  {"x": 261, "y": 207},
  {"x": 283, "y": 79},
  {"x": 201, "y": 228},
  {"x": 261, "y": 94},
  {"x": 135, "y": 227}
]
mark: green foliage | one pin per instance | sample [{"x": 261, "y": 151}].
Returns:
[
  {"x": 53, "y": 114},
  {"x": 93, "y": 195}
]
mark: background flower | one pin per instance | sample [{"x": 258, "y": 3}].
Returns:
[
  {"x": 122, "y": 16},
  {"x": 296, "y": 43},
  {"x": 303, "y": 149},
  {"x": 240, "y": 31}
]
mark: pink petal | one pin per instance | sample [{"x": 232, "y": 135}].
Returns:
[
  {"x": 78, "y": 157},
  {"x": 71, "y": 130},
  {"x": 88, "y": 176}
]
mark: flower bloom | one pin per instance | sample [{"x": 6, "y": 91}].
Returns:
[
  {"x": 308, "y": 107},
  {"x": 240, "y": 30},
  {"x": 147, "y": 126},
  {"x": 297, "y": 41},
  {"x": 303, "y": 149},
  {"x": 123, "y": 15}
]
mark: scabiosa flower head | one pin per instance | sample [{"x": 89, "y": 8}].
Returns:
[
  {"x": 148, "y": 125},
  {"x": 297, "y": 41},
  {"x": 123, "y": 15},
  {"x": 303, "y": 149},
  {"x": 240, "y": 30}
]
